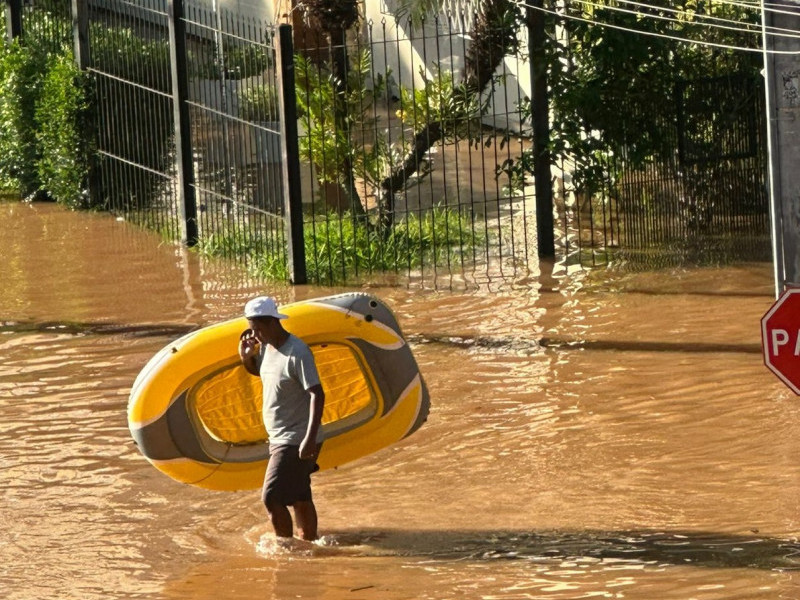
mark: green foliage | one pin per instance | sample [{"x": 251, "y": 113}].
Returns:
[
  {"x": 613, "y": 91},
  {"x": 46, "y": 137},
  {"x": 340, "y": 247},
  {"x": 330, "y": 111},
  {"x": 47, "y": 27},
  {"x": 43, "y": 132},
  {"x": 61, "y": 116},
  {"x": 614, "y": 72},
  {"x": 42, "y": 113},
  {"x": 416, "y": 11},
  {"x": 242, "y": 61},
  {"x": 230, "y": 241},
  {"x": 21, "y": 71},
  {"x": 264, "y": 258},
  {"x": 122, "y": 53},
  {"x": 239, "y": 60},
  {"x": 456, "y": 106},
  {"x": 259, "y": 103}
]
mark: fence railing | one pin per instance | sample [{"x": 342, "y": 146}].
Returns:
[{"x": 375, "y": 154}]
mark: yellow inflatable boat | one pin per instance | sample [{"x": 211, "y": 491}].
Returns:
[{"x": 195, "y": 413}]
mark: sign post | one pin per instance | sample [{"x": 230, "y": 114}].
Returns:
[
  {"x": 780, "y": 338},
  {"x": 782, "y": 77}
]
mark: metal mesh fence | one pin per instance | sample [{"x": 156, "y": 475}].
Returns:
[
  {"x": 410, "y": 142},
  {"x": 235, "y": 115},
  {"x": 408, "y": 158},
  {"x": 707, "y": 201},
  {"x": 130, "y": 64},
  {"x": 47, "y": 24}
]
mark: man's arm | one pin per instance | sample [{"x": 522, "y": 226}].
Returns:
[{"x": 308, "y": 447}]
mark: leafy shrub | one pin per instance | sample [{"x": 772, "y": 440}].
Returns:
[
  {"x": 61, "y": 116},
  {"x": 21, "y": 71},
  {"x": 43, "y": 149},
  {"x": 259, "y": 103},
  {"x": 329, "y": 111},
  {"x": 240, "y": 60}
]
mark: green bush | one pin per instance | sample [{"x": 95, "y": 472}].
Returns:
[
  {"x": 42, "y": 109},
  {"x": 61, "y": 116},
  {"x": 329, "y": 111},
  {"x": 21, "y": 72},
  {"x": 43, "y": 149}
]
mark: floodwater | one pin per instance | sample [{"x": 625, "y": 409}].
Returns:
[{"x": 590, "y": 436}]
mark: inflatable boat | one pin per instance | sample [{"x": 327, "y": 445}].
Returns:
[{"x": 195, "y": 412}]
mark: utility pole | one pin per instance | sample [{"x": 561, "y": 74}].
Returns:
[{"x": 782, "y": 74}]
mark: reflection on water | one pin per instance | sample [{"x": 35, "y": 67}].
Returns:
[{"x": 600, "y": 435}]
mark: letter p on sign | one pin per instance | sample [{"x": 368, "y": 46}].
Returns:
[{"x": 780, "y": 338}]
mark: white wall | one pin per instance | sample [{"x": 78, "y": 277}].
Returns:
[
  {"x": 262, "y": 9},
  {"x": 406, "y": 52}
]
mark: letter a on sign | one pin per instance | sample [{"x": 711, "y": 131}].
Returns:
[{"x": 780, "y": 338}]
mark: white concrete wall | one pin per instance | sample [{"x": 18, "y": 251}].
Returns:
[
  {"x": 408, "y": 53},
  {"x": 262, "y": 9}
]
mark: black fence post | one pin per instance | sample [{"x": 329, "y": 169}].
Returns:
[
  {"x": 13, "y": 19},
  {"x": 80, "y": 36},
  {"x": 292, "y": 198},
  {"x": 540, "y": 110},
  {"x": 180, "y": 111}
]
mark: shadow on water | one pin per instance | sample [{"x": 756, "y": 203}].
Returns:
[
  {"x": 516, "y": 345},
  {"x": 645, "y": 547},
  {"x": 536, "y": 345},
  {"x": 78, "y": 328}
]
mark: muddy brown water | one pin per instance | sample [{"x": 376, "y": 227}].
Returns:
[{"x": 591, "y": 436}]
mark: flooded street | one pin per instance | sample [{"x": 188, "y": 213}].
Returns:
[{"x": 601, "y": 436}]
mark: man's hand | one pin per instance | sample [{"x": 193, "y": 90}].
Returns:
[
  {"x": 248, "y": 344},
  {"x": 308, "y": 449},
  {"x": 248, "y": 350}
]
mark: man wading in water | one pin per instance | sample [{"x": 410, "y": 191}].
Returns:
[{"x": 293, "y": 403}]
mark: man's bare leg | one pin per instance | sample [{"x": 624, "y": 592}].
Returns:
[
  {"x": 281, "y": 520},
  {"x": 305, "y": 513}
]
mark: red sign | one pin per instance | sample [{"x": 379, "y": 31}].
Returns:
[{"x": 780, "y": 338}]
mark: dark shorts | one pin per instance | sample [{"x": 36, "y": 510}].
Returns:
[{"x": 288, "y": 478}]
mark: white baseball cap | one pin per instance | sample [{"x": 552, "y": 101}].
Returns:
[{"x": 262, "y": 306}]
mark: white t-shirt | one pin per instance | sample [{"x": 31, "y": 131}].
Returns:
[{"x": 287, "y": 373}]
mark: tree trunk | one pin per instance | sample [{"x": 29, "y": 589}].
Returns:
[
  {"x": 339, "y": 66},
  {"x": 332, "y": 19}
]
